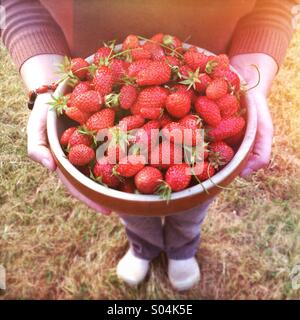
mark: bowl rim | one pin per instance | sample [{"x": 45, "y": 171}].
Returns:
[{"x": 250, "y": 133}]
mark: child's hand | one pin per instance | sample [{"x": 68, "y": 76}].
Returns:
[
  {"x": 37, "y": 144},
  {"x": 261, "y": 152},
  {"x": 38, "y": 148},
  {"x": 37, "y": 71}
]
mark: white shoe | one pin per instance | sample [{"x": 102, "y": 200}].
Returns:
[
  {"x": 132, "y": 269},
  {"x": 183, "y": 274}
]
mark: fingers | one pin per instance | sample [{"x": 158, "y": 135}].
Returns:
[
  {"x": 261, "y": 152},
  {"x": 37, "y": 144},
  {"x": 42, "y": 155},
  {"x": 78, "y": 195}
]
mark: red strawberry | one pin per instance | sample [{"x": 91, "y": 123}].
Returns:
[
  {"x": 130, "y": 42},
  {"x": 196, "y": 60},
  {"x": 204, "y": 81},
  {"x": 119, "y": 69},
  {"x": 131, "y": 122},
  {"x": 178, "y": 104},
  {"x": 165, "y": 155},
  {"x": 203, "y": 171},
  {"x": 185, "y": 70},
  {"x": 173, "y": 43},
  {"x": 68, "y": 101},
  {"x": 128, "y": 95},
  {"x": 115, "y": 153},
  {"x": 79, "y": 68},
  {"x": 140, "y": 53},
  {"x": 157, "y": 52},
  {"x": 101, "y": 54},
  {"x": 65, "y": 137},
  {"x": 101, "y": 120},
  {"x": 192, "y": 49},
  {"x": 77, "y": 115},
  {"x": 148, "y": 179},
  {"x": 223, "y": 59},
  {"x": 178, "y": 177},
  {"x": 130, "y": 165},
  {"x": 236, "y": 140},
  {"x": 227, "y": 128},
  {"x": 220, "y": 153},
  {"x": 89, "y": 101},
  {"x": 158, "y": 72},
  {"x": 151, "y": 113},
  {"x": 164, "y": 119},
  {"x": 184, "y": 89},
  {"x": 172, "y": 61},
  {"x": 228, "y": 105},
  {"x": 80, "y": 138},
  {"x": 208, "y": 111},
  {"x": 153, "y": 97},
  {"x": 81, "y": 87},
  {"x": 148, "y": 134},
  {"x": 153, "y": 124},
  {"x": 103, "y": 171},
  {"x": 194, "y": 79},
  {"x": 174, "y": 132},
  {"x": 85, "y": 170},
  {"x": 135, "y": 108},
  {"x": 81, "y": 155},
  {"x": 158, "y": 37},
  {"x": 103, "y": 80},
  {"x": 192, "y": 122},
  {"x": 216, "y": 89},
  {"x": 217, "y": 64},
  {"x": 137, "y": 66},
  {"x": 231, "y": 77},
  {"x": 127, "y": 186}
]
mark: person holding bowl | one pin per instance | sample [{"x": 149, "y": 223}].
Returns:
[{"x": 38, "y": 34}]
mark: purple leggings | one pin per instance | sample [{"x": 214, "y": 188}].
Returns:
[{"x": 178, "y": 235}]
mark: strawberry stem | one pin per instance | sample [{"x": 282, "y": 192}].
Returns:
[
  {"x": 165, "y": 191},
  {"x": 119, "y": 54},
  {"x": 191, "y": 79},
  {"x": 259, "y": 78},
  {"x": 112, "y": 100},
  {"x": 215, "y": 184},
  {"x": 58, "y": 104},
  {"x": 198, "y": 180}
]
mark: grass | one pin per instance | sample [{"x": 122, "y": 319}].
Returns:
[{"x": 53, "y": 247}]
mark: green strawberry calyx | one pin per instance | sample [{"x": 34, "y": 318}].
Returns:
[{"x": 59, "y": 104}]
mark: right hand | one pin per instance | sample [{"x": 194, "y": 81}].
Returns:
[
  {"x": 38, "y": 149},
  {"x": 37, "y": 142}
]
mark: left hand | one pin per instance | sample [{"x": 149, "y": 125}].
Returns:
[{"x": 261, "y": 153}]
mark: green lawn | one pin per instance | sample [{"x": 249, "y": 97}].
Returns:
[{"x": 54, "y": 247}]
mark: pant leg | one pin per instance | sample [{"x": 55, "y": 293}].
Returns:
[
  {"x": 145, "y": 235},
  {"x": 182, "y": 232}
]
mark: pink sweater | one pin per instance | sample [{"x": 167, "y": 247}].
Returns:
[{"x": 79, "y": 27}]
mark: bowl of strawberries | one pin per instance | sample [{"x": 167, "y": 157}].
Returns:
[{"x": 151, "y": 127}]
